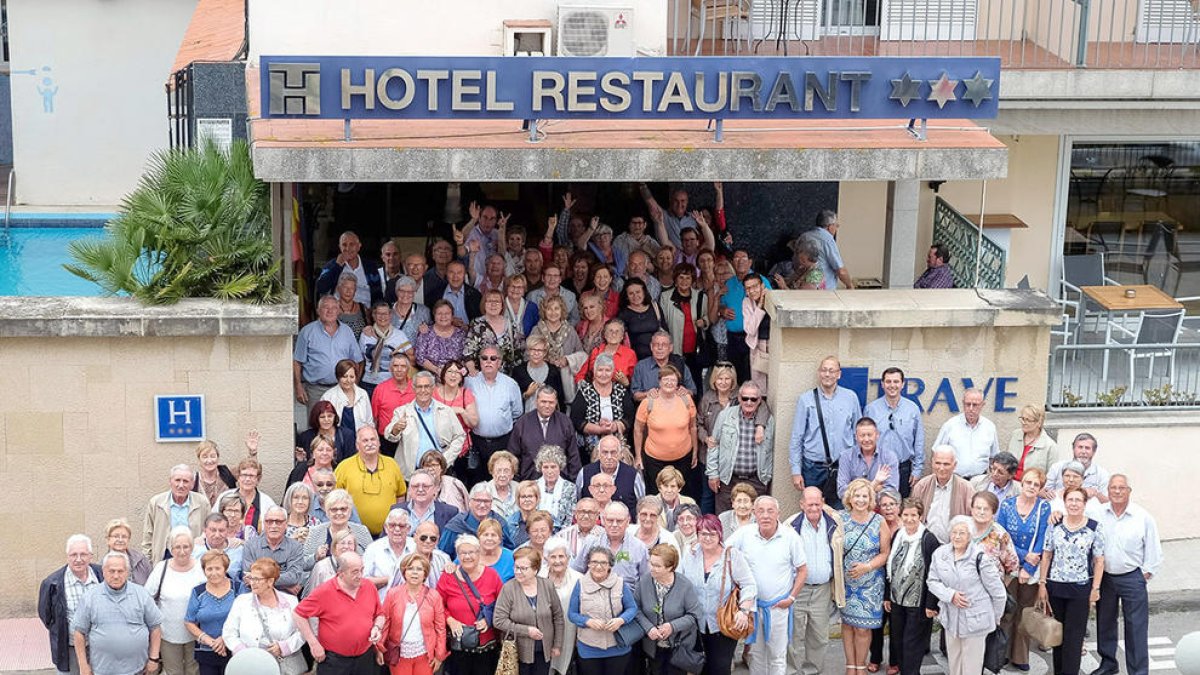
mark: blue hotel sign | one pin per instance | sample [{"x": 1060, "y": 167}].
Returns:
[
  {"x": 524, "y": 88},
  {"x": 929, "y": 395},
  {"x": 179, "y": 419}
]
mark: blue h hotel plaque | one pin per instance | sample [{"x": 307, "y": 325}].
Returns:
[{"x": 179, "y": 419}]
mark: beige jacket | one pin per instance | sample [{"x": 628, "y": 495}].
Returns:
[
  {"x": 446, "y": 428},
  {"x": 158, "y": 522},
  {"x": 837, "y": 542},
  {"x": 599, "y": 601},
  {"x": 1043, "y": 454}
]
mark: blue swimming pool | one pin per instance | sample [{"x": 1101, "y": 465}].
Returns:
[{"x": 31, "y": 262}]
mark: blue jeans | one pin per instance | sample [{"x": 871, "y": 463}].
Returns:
[{"x": 815, "y": 475}]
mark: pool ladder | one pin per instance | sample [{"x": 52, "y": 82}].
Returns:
[{"x": 5, "y": 234}]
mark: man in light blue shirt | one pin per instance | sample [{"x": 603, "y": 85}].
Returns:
[
  {"x": 117, "y": 625},
  {"x": 832, "y": 265},
  {"x": 901, "y": 429},
  {"x": 499, "y": 401},
  {"x": 811, "y": 459},
  {"x": 216, "y": 538},
  {"x": 645, "y": 373},
  {"x": 867, "y": 460},
  {"x": 811, "y": 613},
  {"x": 319, "y": 346}
]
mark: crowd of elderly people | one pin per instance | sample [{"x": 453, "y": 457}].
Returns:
[{"x": 474, "y": 474}]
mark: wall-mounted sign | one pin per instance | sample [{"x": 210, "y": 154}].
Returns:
[
  {"x": 179, "y": 419},
  {"x": 931, "y": 394},
  {"x": 381, "y": 87}
]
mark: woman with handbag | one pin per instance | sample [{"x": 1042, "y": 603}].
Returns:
[
  {"x": 970, "y": 596},
  {"x": 1071, "y": 569},
  {"x": 414, "y": 627},
  {"x": 263, "y": 618},
  {"x": 868, "y": 543},
  {"x": 1025, "y": 517},
  {"x": 727, "y": 593},
  {"x": 907, "y": 598},
  {"x": 171, "y": 583},
  {"x": 670, "y": 613},
  {"x": 470, "y": 596},
  {"x": 601, "y": 605},
  {"x": 529, "y": 609}
]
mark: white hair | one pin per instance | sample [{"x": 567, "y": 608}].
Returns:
[
  {"x": 179, "y": 468},
  {"x": 181, "y": 531},
  {"x": 120, "y": 555},
  {"x": 554, "y": 543},
  {"x": 466, "y": 540},
  {"x": 338, "y": 496},
  {"x": 79, "y": 539}
]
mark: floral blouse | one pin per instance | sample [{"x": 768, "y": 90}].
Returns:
[
  {"x": 996, "y": 543},
  {"x": 510, "y": 342},
  {"x": 1073, "y": 551},
  {"x": 432, "y": 347}
]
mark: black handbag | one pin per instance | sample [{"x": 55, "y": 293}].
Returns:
[
  {"x": 629, "y": 634},
  {"x": 470, "y": 640},
  {"x": 688, "y": 657},
  {"x": 995, "y": 650},
  {"x": 829, "y": 488}
]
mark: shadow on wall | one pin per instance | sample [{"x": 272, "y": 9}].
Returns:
[{"x": 6, "y": 144}]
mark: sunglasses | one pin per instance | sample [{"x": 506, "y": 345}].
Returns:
[
  {"x": 724, "y": 364},
  {"x": 489, "y": 358},
  {"x": 426, "y": 537},
  {"x": 750, "y": 399}
]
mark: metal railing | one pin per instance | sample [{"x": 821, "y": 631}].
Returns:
[
  {"x": 962, "y": 237},
  {"x": 6, "y": 235},
  {"x": 1077, "y": 381},
  {"x": 1037, "y": 34}
]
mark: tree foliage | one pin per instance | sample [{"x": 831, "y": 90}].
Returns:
[{"x": 197, "y": 226}]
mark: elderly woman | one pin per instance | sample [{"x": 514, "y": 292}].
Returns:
[
  {"x": 686, "y": 520},
  {"x": 685, "y": 316},
  {"x": 233, "y": 507},
  {"x": 502, "y": 465},
  {"x": 1026, "y": 519},
  {"x": 806, "y": 275},
  {"x": 867, "y": 544},
  {"x": 327, "y": 567},
  {"x": 669, "y": 610},
  {"x": 742, "y": 510},
  {"x": 564, "y": 350},
  {"x": 207, "y": 609},
  {"x": 713, "y": 570},
  {"x": 614, "y": 346},
  {"x": 556, "y": 568},
  {"x": 529, "y": 608},
  {"x": 353, "y": 402},
  {"x": 557, "y": 493},
  {"x": 907, "y": 599},
  {"x": 470, "y": 594},
  {"x": 298, "y": 500},
  {"x": 213, "y": 477},
  {"x": 407, "y": 314},
  {"x": 323, "y": 422},
  {"x": 970, "y": 597},
  {"x": 1030, "y": 444},
  {"x": 414, "y": 627},
  {"x": 321, "y": 457},
  {"x": 536, "y": 372},
  {"x": 664, "y": 430},
  {"x": 641, "y": 316},
  {"x": 492, "y": 552},
  {"x": 451, "y": 490},
  {"x": 989, "y": 536},
  {"x": 379, "y": 342},
  {"x": 319, "y": 543},
  {"x": 600, "y": 604},
  {"x": 452, "y": 391},
  {"x": 601, "y": 407},
  {"x": 263, "y": 618},
  {"x": 255, "y": 502},
  {"x": 889, "y": 508},
  {"x": 171, "y": 583},
  {"x": 590, "y": 327},
  {"x": 517, "y": 523},
  {"x": 116, "y": 537},
  {"x": 541, "y": 526},
  {"x": 493, "y": 329},
  {"x": 670, "y": 484},
  {"x": 649, "y": 530},
  {"x": 350, "y": 312},
  {"x": 598, "y": 239},
  {"x": 519, "y": 312},
  {"x": 1071, "y": 570},
  {"x": 443, "y": 342}
]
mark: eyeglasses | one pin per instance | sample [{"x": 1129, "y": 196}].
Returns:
[
  {"x": 749, "y": 399},
  {"x": 397, "y": 526},
  {"x": 521, "y": 568},
  {"x": 274, "y": 521},
  {"x": 324, "y": 485},
  {"x": 338, "y": 509},
  {"x": 251, "y": 580},
  {"x": 426, "y": 537},
  {"x": 598, "y": 563},
  {"x": 489, "y": 358}
]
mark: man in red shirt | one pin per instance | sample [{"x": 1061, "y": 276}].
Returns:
[
  {"x": 351, "y": 621},
  {"x": 388, "y": 396}
]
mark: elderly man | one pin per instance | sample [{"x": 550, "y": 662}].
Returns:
[
  {"x": 1132, "y": 554},
  {"x": 629, "y": 483},
  {"x": 1095, "y": 478},
  {"x": 422, "y": 504},
  {"x": 645, "y": 373},
  {"x": 676, "y": 218},
  {"x": 972, "y": 436},
  {"x": 273, "y": 544},
  {"x": 351, "y": 619},
  {"x": 382, "y": 557},
  {"x": 498, "y": 398},
  {"x": 544, "y": 425},
  {"x": 415, "y": 268},
  {"x": 324, "y": 482},
  {"x": 823, "y": 534},
  {"x": 424, "y": 425},
  {"x": 587, "y": 516},
  {"x": 373, "y": 480},
  {"x": 424, "y": 540},
  {"x": 391, "y": 270},
  {"x": 778, "y": 563},
  {"x": 551, "y": 286},
  {"x": 901, "y": 428},
  {"x": 117, "y": 626},
  {"x": 348, "y": 261},
  {"x": 938, "y": 273},
  {"x": 479, "y": 508},
  {"x": 463, "y": 297},
  {"x": 602, "y": 488},
  {"x": 824, "y": 234},
  {"x": 999, "y": 478},
  {"x": 631, "y": 556},
  {"x": 638, "y": 267},
  {"x": 319, "y": 346},
  {"x": 59, "y": 598},
  {"x": 736, "y": 452},
  {"x": 943, "y": 494},
  {"x": 822, "y": 430},
  {"x": 389, "y": 396},
  {"x": 867, "y": 460},
  {"x": 177, "y": 507},
  {"x": 216, "y": 538},
  {"x": 635, "y": 239}
]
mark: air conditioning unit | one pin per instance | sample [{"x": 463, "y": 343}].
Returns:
[{"x": 595, "y": 29}]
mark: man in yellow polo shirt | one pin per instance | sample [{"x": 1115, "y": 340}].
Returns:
[{"x": 373, "y": 480}]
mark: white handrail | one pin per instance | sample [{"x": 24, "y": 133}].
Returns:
[{"x": 8, "y": 204}]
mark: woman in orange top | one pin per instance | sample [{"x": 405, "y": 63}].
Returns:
[
  {"x": 414, "y": 640},
  {"x": 664, "y": 431},
  {"x": 616, "y": 346}
]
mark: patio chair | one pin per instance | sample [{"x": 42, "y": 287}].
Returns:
[
  {"x": 725, "y": 11},
  {"x": 1153, "y": 328},
  {"x": 1180, "y": 261},
  {"x": 1079, "y": 271}
]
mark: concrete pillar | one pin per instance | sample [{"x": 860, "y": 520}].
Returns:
[{"x": 900, "y": 234}]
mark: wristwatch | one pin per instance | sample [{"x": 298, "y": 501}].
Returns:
[{"x": 156, "y": 659}]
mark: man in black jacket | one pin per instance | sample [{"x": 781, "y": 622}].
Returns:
[
  {"x": 61, "y": 593},
  {"x": 370, "y": 286}
]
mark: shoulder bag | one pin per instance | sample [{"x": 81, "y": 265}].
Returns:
[
  {"x": 629, "y": 633},
  {"x": 829, "y": 488},
  {"x": 729, "y": 609},
  {"x": 470, "y": 640},
  {"x": 995, "y": 650}
]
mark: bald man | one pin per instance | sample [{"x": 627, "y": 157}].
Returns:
[
  {"x": 944, "y": 493},
  {"x": 349, "y": 260}
]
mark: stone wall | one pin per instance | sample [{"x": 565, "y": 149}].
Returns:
[
  {"x": 78, "y": 378},
  {"x": 931, "y": 335}
]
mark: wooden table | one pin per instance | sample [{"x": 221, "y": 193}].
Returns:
[{"x": 1113, "y": 301}]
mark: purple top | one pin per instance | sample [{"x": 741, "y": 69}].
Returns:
[
  {"x": 936, "y": 277},
  {"x": 439, "y": 350}
]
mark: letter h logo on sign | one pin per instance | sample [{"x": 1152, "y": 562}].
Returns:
[
  {"x": 179, "y": 419},
  {"x": 295, "y": 88}
]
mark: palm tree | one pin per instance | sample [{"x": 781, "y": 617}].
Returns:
[{"x": 197, "y": 226}]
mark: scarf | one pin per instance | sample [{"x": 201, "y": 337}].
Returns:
[
  {"x": 752, "y": 316},
  {"x": 914, "y": 546},
  {"x": 377, "y": 360}
]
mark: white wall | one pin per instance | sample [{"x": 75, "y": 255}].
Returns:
[
  {"x": 387, "y": 27},
  {"x": 109, "y": 60}
]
